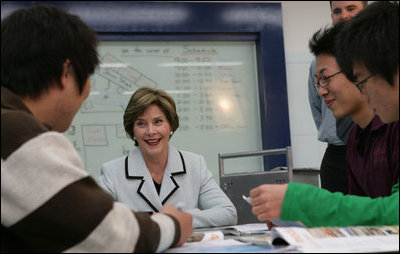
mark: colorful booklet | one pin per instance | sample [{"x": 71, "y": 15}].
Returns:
[{"x": 332, "y": 239}]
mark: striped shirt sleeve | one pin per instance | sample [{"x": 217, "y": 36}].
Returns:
[{"x": 49, "y": 203}]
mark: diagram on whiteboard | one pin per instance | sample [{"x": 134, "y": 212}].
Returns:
[
  {"x": 214, "y": 85},
  {"x": 114, "y": 79}
]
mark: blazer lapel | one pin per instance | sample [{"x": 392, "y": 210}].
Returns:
[
  {"x": 175, "y": 166},
  {"x": 135, "y": 168}
]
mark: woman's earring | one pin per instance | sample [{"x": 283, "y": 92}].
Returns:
[
  {"x": 134, "y": 138},
  {"x": 171, "y": 132}
]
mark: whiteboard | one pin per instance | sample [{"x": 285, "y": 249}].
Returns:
[{"x": 214, "y": 85}]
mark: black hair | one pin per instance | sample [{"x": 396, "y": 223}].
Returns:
[
  {"x": 36, "y": 42},
  {"x": 323, "y": 41},
  {"x": 371, "y": 38}
]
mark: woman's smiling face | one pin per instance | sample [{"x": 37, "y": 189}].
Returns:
[{"x": 152, "y": 132}]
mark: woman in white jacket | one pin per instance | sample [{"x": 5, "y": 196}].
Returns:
[{"x": 155, "y": 173}]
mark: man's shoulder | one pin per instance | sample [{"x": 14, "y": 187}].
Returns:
[
  {"x": 18, "y": 127},
  {"x": 391, "y": 129},
  {"x": 394, "y": 127},
  {"x": 16, "y": 122}
]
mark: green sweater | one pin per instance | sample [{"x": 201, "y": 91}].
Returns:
[{"x": 316, "y": 207}]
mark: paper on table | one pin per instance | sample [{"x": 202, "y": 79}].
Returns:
[
  {"x": 237, "y": 230},
  {"x": 196, "y": 246},
  {"x": 227, "y": 246},
  {"x": 206, "y": 236}
]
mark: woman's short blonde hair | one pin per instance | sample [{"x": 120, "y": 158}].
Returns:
[{"x": 144, "y": 97}]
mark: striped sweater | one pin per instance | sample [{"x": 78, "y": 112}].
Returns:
[{"x": 49, "y": 203}]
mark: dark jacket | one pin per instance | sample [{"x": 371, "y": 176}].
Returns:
[{"x": 374, "y": 166}]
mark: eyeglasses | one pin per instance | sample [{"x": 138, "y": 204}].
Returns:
[
  {"x": 324, "y": 81},
  {"x": 360, "y": 84}
]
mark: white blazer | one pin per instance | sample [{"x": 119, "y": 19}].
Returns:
[{"x": 186, "y": 180}]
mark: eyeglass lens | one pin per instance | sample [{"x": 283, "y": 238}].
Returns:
[{"x": 324, "y": 81}]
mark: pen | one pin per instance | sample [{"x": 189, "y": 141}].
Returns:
[
  {"x": 246, "y": 198},
  {"x": 180, "y": 206}
]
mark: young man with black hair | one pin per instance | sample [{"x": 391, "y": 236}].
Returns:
[
  {"x": 332, "y": 130},
  {"x": 49, "y": 203},
  {"x": 374, "y": 64}
]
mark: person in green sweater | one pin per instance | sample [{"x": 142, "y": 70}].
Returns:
[{"x": 376, "y": 73}]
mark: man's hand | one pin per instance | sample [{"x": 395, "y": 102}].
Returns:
[
  {"x": 267, "y": 200},
  {"x": 185, "y": 221}
]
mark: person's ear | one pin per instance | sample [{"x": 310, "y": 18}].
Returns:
[{"x": 66, "y": 73}]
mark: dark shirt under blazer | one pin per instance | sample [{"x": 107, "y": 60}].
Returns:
[{"x": 186, "y": 181}]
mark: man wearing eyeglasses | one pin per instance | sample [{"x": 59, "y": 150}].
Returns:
[
  {"x": 372, "y": 152},
  {"x": 368, "y": 44},
  {"x": 331, "y": 130},
  {"x": 368, "y": 63}
]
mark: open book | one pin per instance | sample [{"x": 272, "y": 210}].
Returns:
[
  {"x": 332, "y": 239},
  {"x": 251, "y": 229},
  {"x": 218, "y": 233}
]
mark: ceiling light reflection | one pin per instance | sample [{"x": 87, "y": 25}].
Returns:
[{"x": 200, "y": 64}]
